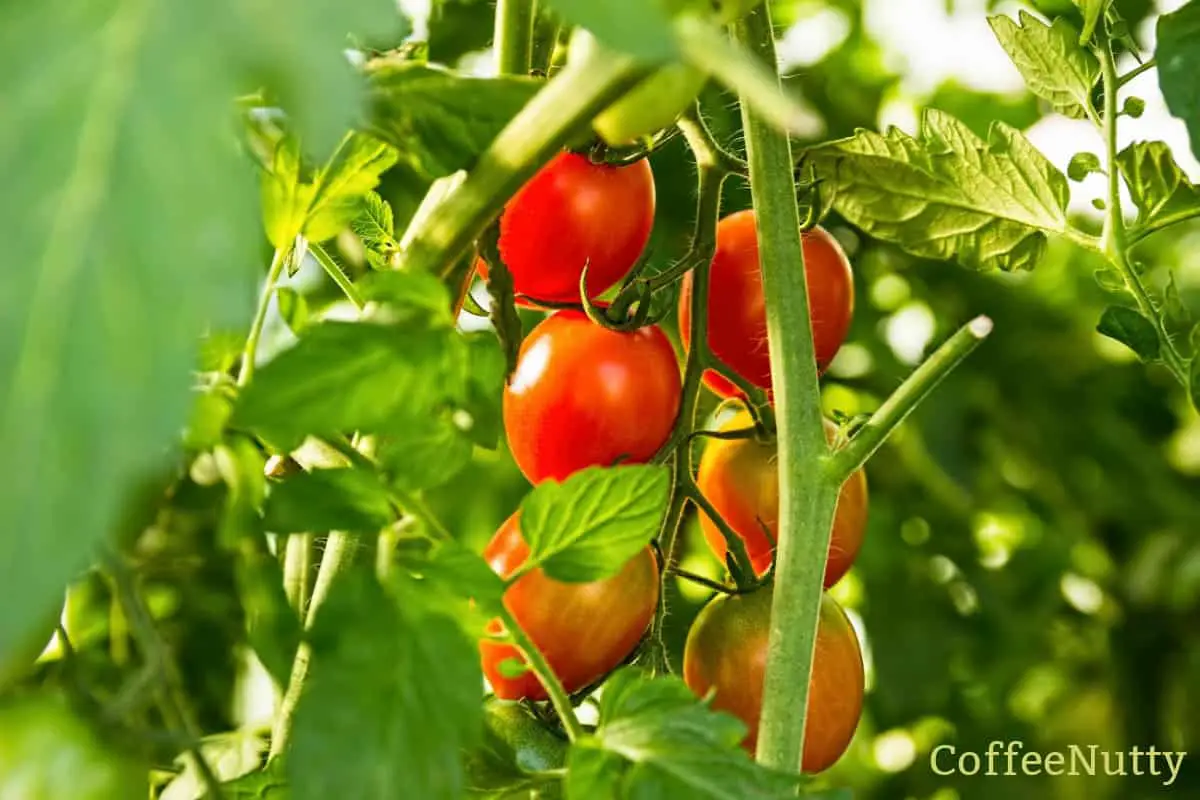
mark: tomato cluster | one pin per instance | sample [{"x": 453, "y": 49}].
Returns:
[{"x": 583, "y": 394}]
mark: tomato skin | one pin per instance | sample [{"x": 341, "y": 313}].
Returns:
[
  {"x": 737, "y": 320},
  {"x": 574, "y": 213},
  {"x": 740, "y": 477},
  {"x": 726, "y": 650},
  {"x": 583, "y": 396},
  {"x": 584, "y": 630}
]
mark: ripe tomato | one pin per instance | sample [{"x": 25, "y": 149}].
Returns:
[
  {"x": 740, "y": 477},
  {"x": 583, "y": 396},
  {"x": 726, "y": 651},
  {"x": 584, "y": 630},
  {"x": 737, "y": 320},
  {"x": 574, "y": 213}
]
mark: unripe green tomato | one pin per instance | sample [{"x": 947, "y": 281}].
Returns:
[
  {"x": 652, "y": 105},
  {"x": 48, "y": 753}
]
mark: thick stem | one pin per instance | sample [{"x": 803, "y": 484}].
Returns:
[
  {"x": 807, "y": 500},
  {"x": 901, "y": 403},
  {"x": 335, "y": 273},
  {"x": 541, "y": 668},
  {"x": 250, "y": 353},
  {"x": 297, "y": 566},
  {"x": 514, "y": 36}
]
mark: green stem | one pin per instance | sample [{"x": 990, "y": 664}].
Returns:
[
  {"x": 514, "y": 36},
  {"x": 297, "y": 566},
  {"x": 541, "y": 668},
  {"x": 1136, "y": 71},
  {"x": 1116, "y": 243},
  {"x": 250, "y": 353},
  {"x": 335, "y": 272},
  {"x": 807, "y": 501},
  {"x": 1135, "y": 236},
  {"x": 557, "y": 113},
  {"x": 901, "y": 403}
]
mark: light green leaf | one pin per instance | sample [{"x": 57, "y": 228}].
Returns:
[
  {"x": 346, "y": 499},
  {"x": 1132, "y": 330},
  {"x": 1055, "y": 67},
  {"x": 1159, "y": 188},
  {"x": 1082, "y": 165},
  {"x": 587, "y": 527},
  {"x": 375, "y": 224},
  {"x": 948, "y": 194},
  {"x": 1092, "y": 11},
  {"x": 293, "y": 308},
  {"x": 425, "y": 457},
  {"x": 1178, "y": 55}
]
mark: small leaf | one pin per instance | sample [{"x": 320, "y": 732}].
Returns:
[
  {"x": 1082, "y": 165},
  {"x": 1178, "y": 55},
  {"x": 1134, "y": 107},
  {"x": 347, "y": 499},
  {"x": 1132, "y": 330},
  {"x": 1050, "y": 58},
  {"x": 1110, "y": 280},
  {"x": 1158, "y": 187},
  {"x": 375, "y": 224},
  {"x": 590, "y": 525},
  {"x": 293, "y": 308},
  {"x": 1099, "y": 203}
]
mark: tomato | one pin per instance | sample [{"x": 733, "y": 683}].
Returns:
[
  {"x": 737, "y": 320},
  {"x": 574, "y": 213},
  {"x": 726, "y": 651},
  {"x": 583, "y": 395},
  {"x": 740, "y": 477},
  {"x": 652, "y": 105},
  {"x": 48, "y": 753},
  {"x": 584, "y": 630}
]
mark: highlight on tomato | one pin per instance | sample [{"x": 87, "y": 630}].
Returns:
[
  {"x": 726, "y": 653},
  {"x": 584, "y": 630},
  {"x": 737, "y": 320}
]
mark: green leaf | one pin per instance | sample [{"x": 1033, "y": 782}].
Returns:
[
  {"x": 464, "y": 574},
  {"x": 392, "y": 697},
  {"x": 375, "y": 224},
  {"x": 655, "y": 739},
  {"x": 637, "y": 27},
  {"x": 1092, "y": 11},
  {"x": 516, "y": 747},
  {"x": 947, "y": 193},
  {"x": 408, "y": 292},
  {"x": 590, "y": 525},
  {"x": 424, "y": 457},
  {"x": 345, "y": 499},
  {"x": 293, "y": 308},
  {"x": 1178, "y": 55},
  {"x": 1082, "y": 165},
  {"x": 273, "y": 628},
  {"x": 439, "y": 119},
  {"x": 486, "y": 372},
  {"x": 1159, "y": 188},
  {"x": 230, "y": 755},
  {"x": 1052, "y": 62},
  {"x": 1132, "y": 330},
  {"x": 1194, "y": 382}
]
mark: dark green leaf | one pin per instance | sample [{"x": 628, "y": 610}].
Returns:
[
  {"x": 345, "y": 499},
  {"x": 440, "y": 119},
  {"x": 587, "y": 527},
  {"x": 1178, "y": 55},
  {"x": 948, "y": 193},
  {"x": 1158, "y": 187},
  {"x": 1194, "y": 382},
  {"x": 657, "y": 740},
  {"x": 1132, "y": 330},
  {"x": 641, "y": 28},
  {"x": 391, "y": 701},
  {"x": 293, "y": 308},
  {"x": 1082, "y": 165},
  {"x": 1050, "y": 58}
]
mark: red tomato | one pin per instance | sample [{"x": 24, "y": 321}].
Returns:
[
  {"x": 740, "y": 477},
  {"x": 737, "y": 321},
  {"x": 574, "y": 213},
  {"x": 726, "y": 651},
  {"x": 584, "y": 630},
  {"x": 583, "y": 396}
]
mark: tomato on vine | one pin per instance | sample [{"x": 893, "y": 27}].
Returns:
[
  {"x": 584, "y": 630},
  {"x": 737, "y": 321},
  {"x": 583, "y": 395},
  {"x": 740, "y": 478},
  {"x": 573, "y": 214},
  {"x": 726, "y": 653}
]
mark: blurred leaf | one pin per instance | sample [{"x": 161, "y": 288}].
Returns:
[
  {"x": 293, "y": 308},
  {"x": 1052, "y": 62},
  {"x": 440, "y": 119},
  {"x": 1178, "y": 55},
  {"x": 640, "y": 28},
  {"x": 231, "y": 756},
  {"x": 458, "y": 27},
  {"x": 516, "y": 747},
  {"x": 345, "y": 499},
  {"x": 1082, "y": 165},
  {"x": 1194, "y": 382},
  {"x": 1159, "y": 188},
  {"x": 590, "y": 525},
  {"x": 486, "y": 371},
  {"x": 655, "y": 739},
  {"x": 465, "y": 574},
  {"x": 979, "y": 110},
  {"x": 407, "y": 292},
  {"x": 391, "y": 700},
  {"x": 948, "y": 194},
  {"x": 266, "y": 784},
  {"x": 272, "y": 625},
  {"x": 426, "y": 456},
  {"x": 1132, "y": 330}
]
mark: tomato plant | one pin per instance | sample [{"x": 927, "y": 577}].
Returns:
[
  {"x": 726, "y": 656},
  {"x": 740, "y": 478},
  {"x": 584, "y": 630}
]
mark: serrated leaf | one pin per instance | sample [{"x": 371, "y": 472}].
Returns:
[
  {"x": 1052, "y": 62},
  {"x": 347, "y": 499},
  {"x": 655, "y": 739},
  {"x": 375, "y": 224},
  {"x": 391, "y": 700},
  {"x": 948, "y": 194},
  {"x": 1132, "y": 330},
  {"x": 637, "y": 27},
  {"x": 1178, "y": 55},
  {"x": 437, "y": 118},
  {"x": 293, "y": 308},
  {"x": 587, "y": 527},
  {"x": 1158, "y": 187},
  {"x": 1082, "y": 165}
]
